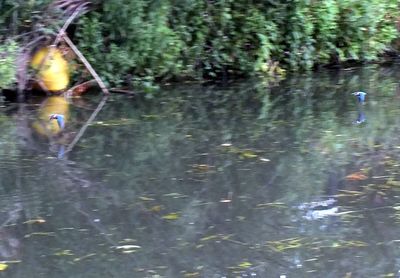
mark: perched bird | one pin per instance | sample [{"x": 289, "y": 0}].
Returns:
[
  {"x": 60, "y": 120},
  {"x": 360, "y": 96}
]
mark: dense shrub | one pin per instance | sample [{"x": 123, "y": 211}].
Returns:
[
  {"x": 199, "y": 38},
  {"x": 8, "y": 53},
  {"x": 131, "y": 41}
]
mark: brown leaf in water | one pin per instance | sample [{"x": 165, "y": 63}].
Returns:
[{"x": 357, "y": 176}]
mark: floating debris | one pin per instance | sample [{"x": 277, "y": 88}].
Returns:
[
  {"x": 144, "y": 198},
  {"x": 226, "y": 145},
  {"x": 128, "y": 246},
  {"x": 40, "y": 234},
  {"x": 35, "y": 221},
  {"x": 357, "y": 176},
  {"x": 285, "y": 244},
  {"x": 264, "y": 159},
  {"x": 84, "y": 257},
  {"x": 171, "y": 216}
]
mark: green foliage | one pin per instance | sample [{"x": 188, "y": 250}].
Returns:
[
  {"x": 197, "y": 39},
  {"x": 8, "y": 54},
  {"x": 16, "y": 16},
  {"x": 141, "y": 41},
  {"x": 366, "y": 28}
]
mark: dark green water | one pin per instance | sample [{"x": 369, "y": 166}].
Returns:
[{"x": 241, "y": 180}]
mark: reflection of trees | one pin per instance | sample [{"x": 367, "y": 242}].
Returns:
[{"x": 138, "y": 164}]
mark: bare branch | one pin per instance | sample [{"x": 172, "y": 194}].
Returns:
[{"x": 87, "y": 65}]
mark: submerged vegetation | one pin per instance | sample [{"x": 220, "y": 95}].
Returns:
[{"x": 131, "y": 41}]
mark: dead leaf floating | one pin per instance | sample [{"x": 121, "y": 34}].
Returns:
[{"x": 357, "y": 176}]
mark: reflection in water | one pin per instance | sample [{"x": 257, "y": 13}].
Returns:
[
  {"x": 360, "y": 117},
  {"x": 236, "y": 181},
  {"x": 319, "y": 209},
  {"x": 50, "y": 123}
]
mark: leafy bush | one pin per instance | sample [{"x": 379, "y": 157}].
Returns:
[
  {"x": 131, "y": 41},
  {"x": 198, "y": 38},
  {"x": 8, "y": 54}
]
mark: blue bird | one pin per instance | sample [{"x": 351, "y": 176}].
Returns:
[
  {"x": 60, "y": 120},
  {"x": 360, "y": 96}
]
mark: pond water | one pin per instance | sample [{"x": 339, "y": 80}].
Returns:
[{"x": 249, "y": 179}]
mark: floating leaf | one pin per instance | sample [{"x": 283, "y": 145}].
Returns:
[
  {"x": 351, "y": 192},
  {"x": 156, "y": 208},
  {"x": 285, "y": 244},
  {"x": 3, "y": 266},
  {"x": 244, "y": 265},
  {"x": 144, "y": 198},
  {"x": 191, "y": 274},
  {"x": 150, "y": 117},
  {"x": 11, "y": 262},
  {"x": 127, "y": 240},
  {"x": 226, "y": 145},
  {"x": 347, "y": 244},
  {"x": 40, "y": 234},
  {"x": 129, "y": 246},
  {"x": 129, "y": 251},
  {"x": 202, "y": 167},
  {"x": 171, "y": 216},
  {"x": 248, "y": 154},
  {"x": 35, "y": 221},
  {"x": 84, "y": 257},
  {"x": 357, "y": 176},
  {"x": 64, "y": 253},
  {"x": 264, "y": 159},
  {"x": 393, "y": 182},
  {"x": 388, "y": 275},
  {"x": 175, "y": 195},
  {"x": 209, "y": 237}
]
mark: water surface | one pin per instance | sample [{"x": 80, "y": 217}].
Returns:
[{"x": 249, "y": 179}]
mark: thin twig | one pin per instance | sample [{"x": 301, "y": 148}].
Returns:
[
  {"x": 87, "y": 64},
  {"x": 85, "y": 126},
  {"x": 64, "y": 28}
]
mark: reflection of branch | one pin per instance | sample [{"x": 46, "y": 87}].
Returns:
[
  {"x": 85, "y": 126},
  {"x": 122, "y": 91},
  {"x": 96, "y": 226},
  {"x": 65, "y": 27}
]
